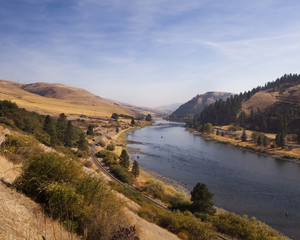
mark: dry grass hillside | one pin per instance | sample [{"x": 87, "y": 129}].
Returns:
[
  {"x": 266, "y": 99},
  {"x": 56, "y": 98}
]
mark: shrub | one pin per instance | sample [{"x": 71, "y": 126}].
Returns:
[
  {"x": 243, "y": 228},
  {"x": 165, "y": 193},
  {"x": 109, "y": 157},
  {"x": 20, "y": 144},
  {"x": 234, "y": 128},
  {"x": 43, "y": 169},
  {"x": 101, "y": 143},
  {"x": 77, "y": 199},
  {"x": 207, "y": 128},
  {"x": 110, "y": 147},
  {"x": 122, "y": 174},
  {"x": 88, "y": 164}
]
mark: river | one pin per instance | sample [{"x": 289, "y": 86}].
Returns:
[{"x": 241, "y": 181}]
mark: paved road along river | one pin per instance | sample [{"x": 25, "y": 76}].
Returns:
[{"x": 242, "y": 181}]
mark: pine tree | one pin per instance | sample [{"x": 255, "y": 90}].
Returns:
[
  {"x": 61, "y": 127},
  {"x": 50, "y": 128},
  {"x": 148, "y": 118},
  {"x": 124, "y": 159},
  {"x": 259, "y": 140},
  {"x": 265, "y": 141},
  {"x": 90, "y": 130},
  {"x": 69, "y": 134},
  {"x": 82, "y": 142},
  {"x": 135, "y": 169},
  {"x": 202, "y": 199},
  {"x": 244, "y": 136}
]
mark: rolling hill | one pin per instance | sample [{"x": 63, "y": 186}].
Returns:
[
  {"x": 49, "y": 98},
  {"x": 285, "y": 94}
]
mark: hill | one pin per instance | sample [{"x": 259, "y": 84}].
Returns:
[
  {"x": 48, "y": 98},
  {"x": 170, "y": 108},
  {"x": 274, "y": 107},
  {"x": 141, "y": 110},
  {"x": 198, "y": 103}
]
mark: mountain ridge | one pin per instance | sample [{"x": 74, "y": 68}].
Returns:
[{"x": 198, "y": 103}]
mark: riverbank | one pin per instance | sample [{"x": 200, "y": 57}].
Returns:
[
  {"x": 121, "y": 138},
  {"x": 291, "y": 155}
]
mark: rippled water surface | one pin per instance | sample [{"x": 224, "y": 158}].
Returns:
[{"x": 242, "y": 182}]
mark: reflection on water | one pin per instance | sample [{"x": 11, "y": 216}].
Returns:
[{"x": 242, "y": 182}]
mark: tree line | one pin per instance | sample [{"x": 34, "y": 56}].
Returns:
[
  {"x": 47, "y": 129},
  {"x": 283, "y": 118}
]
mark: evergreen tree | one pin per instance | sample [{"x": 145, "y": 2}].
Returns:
[
  {"x": 82, "y": 142},
  {"x": 244, "y": 136},
  {"x": 135, "y": 169},
  {"x": 202, "y": 199},
  {"x": 69, "y": 135},
  {"x": 124, "y": 159},
  {"x": 61, "y": 127},
  {"x": 90, "y": 130},
  {"x": 148, "y": 118},
  {"x": 132, "y": 121},
  {"x": 265, "y": 141},
  {"x": 242, "y": 118},
  {"x": 279, "y": 140},
  {"x": 115, "y": 116},
  {"x": 259, "y": 140},
  {"x": 49, "y": 127}
]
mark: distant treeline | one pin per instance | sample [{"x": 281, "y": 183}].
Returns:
[
  {"x": 46, "y": 129},
  {"x": 282, "y": 117}
]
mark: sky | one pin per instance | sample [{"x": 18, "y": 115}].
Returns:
[{"x": 150, "y": 52}]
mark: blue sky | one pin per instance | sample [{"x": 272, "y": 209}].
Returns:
[{"x": 150, "y": 52}]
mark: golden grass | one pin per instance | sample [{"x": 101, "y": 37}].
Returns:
[{"x": 90, "y": 106}]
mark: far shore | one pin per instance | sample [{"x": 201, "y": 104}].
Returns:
[{"x": 248, "y": 148}]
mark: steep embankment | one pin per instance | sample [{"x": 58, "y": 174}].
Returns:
[{"x": 48, "y": 98}]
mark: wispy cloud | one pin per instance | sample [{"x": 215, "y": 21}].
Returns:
[{"x": 134, "y": 49}]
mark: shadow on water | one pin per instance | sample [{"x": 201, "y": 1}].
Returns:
[{"x": 242, "y": 181}]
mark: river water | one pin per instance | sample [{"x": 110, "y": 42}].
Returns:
[{"x": 242, "y": 181}]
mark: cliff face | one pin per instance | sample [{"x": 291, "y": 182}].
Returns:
[{"x": 198, "y": 103}]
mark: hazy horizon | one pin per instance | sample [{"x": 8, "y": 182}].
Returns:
[{"x": 150, "y": 53}]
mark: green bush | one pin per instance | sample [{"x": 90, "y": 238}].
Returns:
[
  {"x": 234, "y": 128},
  {"x": 24, "y": 146},
  {"x": 43, "y": 169},
  {"x": 109, "y": 157},
  {"x": 179, "y": 223},
  {"x": 110, "y": 147},
  {"x": 122, "y": 174},
  {"x": 77, "y": 199},
  {"x": 101, "y": 143},
  {"x": 243, "y": 228}
]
